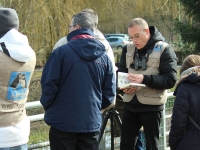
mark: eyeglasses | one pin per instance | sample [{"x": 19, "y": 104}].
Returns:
[
  {"x": 136, "y": 37},
  {"x": 69, "y": 27}
]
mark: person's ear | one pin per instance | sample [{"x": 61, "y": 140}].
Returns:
[
  {"x": 78, "y": 26},
  {"x": 147, "y": 31}
]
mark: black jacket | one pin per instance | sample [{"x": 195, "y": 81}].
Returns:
[
  {"x": 183, "y": 134},
  {"x": 165, "y": 80}
]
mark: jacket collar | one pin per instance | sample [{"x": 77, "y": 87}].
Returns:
[
  {"x": 79, "y": 32},
  {"x": 193, "y": 78}
]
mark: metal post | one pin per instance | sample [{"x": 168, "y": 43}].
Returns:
[
  {"x": 164, "y": 129},
  {"x": 112, "y": 130}
]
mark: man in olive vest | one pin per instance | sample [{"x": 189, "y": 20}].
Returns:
[
  {"x": 152, "y": 62},
  {"x": 17, "y": 65}
]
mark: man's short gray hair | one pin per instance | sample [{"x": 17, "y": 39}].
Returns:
[
  {"x": 84, "y": 19},
  {"x": 88, "y": 10},
  {"x": 140, "y": 22}
]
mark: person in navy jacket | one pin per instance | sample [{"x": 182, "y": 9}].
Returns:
[
  {"x": 184, "y": 135},
  {"x": 78, "y": 81}
]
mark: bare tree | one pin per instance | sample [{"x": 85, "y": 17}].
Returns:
[{"x": 45, "y": 21}]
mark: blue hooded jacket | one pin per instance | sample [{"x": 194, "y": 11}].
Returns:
[{"x": 77, "y": 82}]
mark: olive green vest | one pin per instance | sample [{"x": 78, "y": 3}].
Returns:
[
  {"x": 14, "y": 88},
  {"x": 147, "y": 95}
]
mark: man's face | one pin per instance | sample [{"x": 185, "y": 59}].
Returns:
[
  {"x": 72, "y": 27},
  {"x": 139, "y": 36}
]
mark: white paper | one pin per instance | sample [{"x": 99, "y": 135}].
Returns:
[{"x": 124, "y": 82}]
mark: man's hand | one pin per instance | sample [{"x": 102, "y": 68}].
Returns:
[
  {"x": 135, "y": 78},
  {"x": 130, "y": 90}
]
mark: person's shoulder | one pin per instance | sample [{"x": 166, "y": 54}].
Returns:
[
  {"x": 98, "y": 34},
  {"x": 60, "y": 42},
  {"x": 61, "y": 49},
  {"x": 163, "y": 46},
  {"x": 100, "y": 37},
  {"x": 185, "y": 85}
]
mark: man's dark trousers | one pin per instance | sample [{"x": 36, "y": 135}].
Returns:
[
  {"x": 131, "y": 124},
  {"x": 60, "y": 140}
]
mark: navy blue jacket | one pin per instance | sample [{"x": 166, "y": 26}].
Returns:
[
  {"x": 184, "y": 135},
  {"x": 77, "y": 82}
]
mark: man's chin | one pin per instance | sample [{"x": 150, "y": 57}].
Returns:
[{"x": 139, "y": 47}]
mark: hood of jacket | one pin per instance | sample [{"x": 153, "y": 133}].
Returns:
[
  {"x": 17, "y": 46},
  {"x": 83, "y": 43},
  {"x": 193, "y": 78},
  {"x": 155, "y": 37}
]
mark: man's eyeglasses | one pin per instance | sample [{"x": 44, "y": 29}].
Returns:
[
  {"x": 136, "y": 37},
  {"x": 69, "y": 27}
]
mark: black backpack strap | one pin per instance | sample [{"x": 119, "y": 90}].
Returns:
[
  {"x": 5, "y": 50},
  {"x": 194, "y": 122}
]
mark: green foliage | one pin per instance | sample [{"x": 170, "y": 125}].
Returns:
[
  {"x": 189, "y": 32},
  {"x": 183, "y": 50},
  {"x": 191, "y": 7},
  {"x": 188, "y": 29},
  {"x": 117, "y": 55}
]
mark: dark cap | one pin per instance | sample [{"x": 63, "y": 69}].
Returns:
[{"x": 9, "y": 20}]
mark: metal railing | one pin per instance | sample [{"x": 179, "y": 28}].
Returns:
[{"x": 40, "y": 130}]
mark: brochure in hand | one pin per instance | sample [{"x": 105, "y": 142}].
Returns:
[{"x": 124, "y": 82}]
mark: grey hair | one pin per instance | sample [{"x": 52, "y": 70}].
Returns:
[
  {"x": 88, "y": 10},
  {"x": 138, "y": 21},
  {"x": 84, "y": 19}
]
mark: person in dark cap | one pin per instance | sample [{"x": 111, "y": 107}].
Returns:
[
  {"x": 17, "y": 65},
  {"x": 9, "y": 20}
]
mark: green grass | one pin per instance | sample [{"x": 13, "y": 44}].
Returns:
[{"x": 39, "y": 134}]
